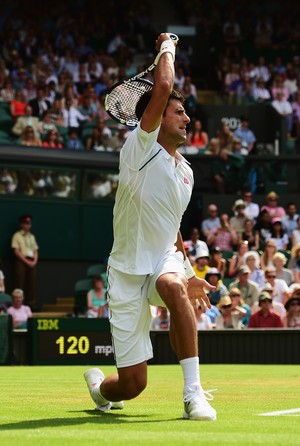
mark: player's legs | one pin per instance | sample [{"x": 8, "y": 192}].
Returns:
[
  {"x": 172, "y": 288},
  {"x": 130, "y": 321},
  {"x": 128, "y": 383}
]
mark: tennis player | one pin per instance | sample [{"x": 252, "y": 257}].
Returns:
[{"x": 147, "y": 264}]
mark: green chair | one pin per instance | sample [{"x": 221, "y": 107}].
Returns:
[
  {"x": 96, "y": 270},
  {"x": 81, "y": 289},
  {"x": 5, "y": 299}
]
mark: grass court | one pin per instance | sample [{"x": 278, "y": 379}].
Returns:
[{"x": 51, "y": 406}]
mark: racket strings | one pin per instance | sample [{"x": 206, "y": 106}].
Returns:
[{"x": 121, "y": 101}]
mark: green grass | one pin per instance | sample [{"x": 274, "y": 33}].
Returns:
[{"x": 51, "y": 406}]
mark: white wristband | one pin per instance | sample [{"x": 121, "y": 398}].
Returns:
[
  {"x": 189, "y": 271},
  {"x": 166, "y": 47}
]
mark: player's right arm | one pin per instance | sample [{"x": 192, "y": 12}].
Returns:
[{"x": 164, "y": 75}]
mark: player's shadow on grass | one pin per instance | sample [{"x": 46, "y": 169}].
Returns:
[{"x": 95, "y": 417}]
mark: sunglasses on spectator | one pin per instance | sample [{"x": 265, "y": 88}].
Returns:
[
  {"x": 294, "y": 304},
  {"x": 267, "y": 300},
  {"x": 271, "y": 277},
  {"x": 226, "y": 306},
  {"x": 235, "y": 295}
]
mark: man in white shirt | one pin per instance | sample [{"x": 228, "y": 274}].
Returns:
[
  {"x": 147, "y": 262},
  {"x": 284, "y": 108},
  {"x": 251, "y": 209}
]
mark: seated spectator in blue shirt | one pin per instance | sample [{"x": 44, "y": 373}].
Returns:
[
  {"x": 245, "y": 135},
  {"x": 74, "y": 142}
]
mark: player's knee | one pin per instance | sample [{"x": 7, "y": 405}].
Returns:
[{"x": 172, "y": 291}]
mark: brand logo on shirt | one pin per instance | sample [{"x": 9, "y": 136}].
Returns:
[{"x": 186, "y": 181}]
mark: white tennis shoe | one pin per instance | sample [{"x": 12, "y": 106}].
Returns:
[
  {"x": 196, "y": 406},
  {"x": 94, "y": 378}
]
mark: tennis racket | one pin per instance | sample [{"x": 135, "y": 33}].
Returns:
[{"x": 121, "y": 98}]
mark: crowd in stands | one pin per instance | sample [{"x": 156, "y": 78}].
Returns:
[
  {"x": 252, "y": 257},
  {"x": 56, "y": 67}
]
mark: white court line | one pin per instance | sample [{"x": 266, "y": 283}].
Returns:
[{"x": 279, "y": 412}]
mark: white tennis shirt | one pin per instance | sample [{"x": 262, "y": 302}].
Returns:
[{"x": 151, "y": 198}]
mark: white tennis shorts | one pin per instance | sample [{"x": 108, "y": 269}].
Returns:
[{"x": 129, "y": 299}]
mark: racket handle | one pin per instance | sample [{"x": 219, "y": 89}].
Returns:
[{"x": 173, "y": 37}]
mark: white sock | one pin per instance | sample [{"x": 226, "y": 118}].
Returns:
[{"x": 191, "y": 374}]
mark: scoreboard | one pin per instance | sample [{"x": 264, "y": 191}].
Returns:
[{"x": 70, "y": 341}]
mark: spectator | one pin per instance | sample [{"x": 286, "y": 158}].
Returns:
[
  {"x": 95, "y": 140},
  {"x": 237, "y": 301},
  {"x": 7, "y": 91},
  {"x": 195, "y": 243},
  {"x": 212, "y": 221},
  {"x": 279, "y": 261},
  {"x": 294, "y": 262},
  {"x": 46, "y": 123},
  {"x": 105, "y": 145},
  {"x": 265, "y": 317},
  {"x": 213, "y": 147},
  {"x": 88, "y": 108},
  {"x": 278, "y": 87},
  {"x": 237, "y": 260},
  {"x": 201, "y": 262},
  {"x": 216, "y": 260},
  {"x": 25, "y": 121},
  {"x": 289, "y": 221},
  {"x": 52, "y": 140},
  {"x": 72, "y": 116},
  {"x": 225, "y": 137},
  {"x": 224, "y": 236},
  {"x": 238, "y": 149},
  {"x": 296, "y": 234},
  {"x": 280, "y": 288},
  {"x": 118, "y": 140},
  {"x": 196, "y": 137},
  {"x": 257, "y": 275},
  {"x": 2, "y": 282},
  {"x": 249, "y": 235},
  {"x": 261, "y": 93},
  {"x": 29, "y": 139},
  {"x": 237, "y": 222},
  {"x": 263, "y": 227},
  {"x": 19, "y": 312},
  {"x": 249, "y": 290},
  {"x": 18, "y": 106},
  {"x": 74, "y": 142},
  {"x": 230, "y": 316},
  {"x": 266, "y": 258},
  {"x": 279, "y": 237},
  {"x": 284, "y": 108},
  {"x": 296, "y": 113},
  {"x": 272, "y": 206},
  {"x": 162, "y": 321},
  {"x": 246, "y": 135},
  {"x": 261, "y": 71},
  {"x": 228, "y": 172},
  {"x": 96, "y": 300},
  {"x": 203, "y": 321},
  {"x": 25, "y": 250},
  {"x": 213, "y": 276},
  {"x": 292, "y": 306},
  {"x": 29, "y": 90},
  {"x": 39, "y": 104},
  {"x": 251, "y": 209}
]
